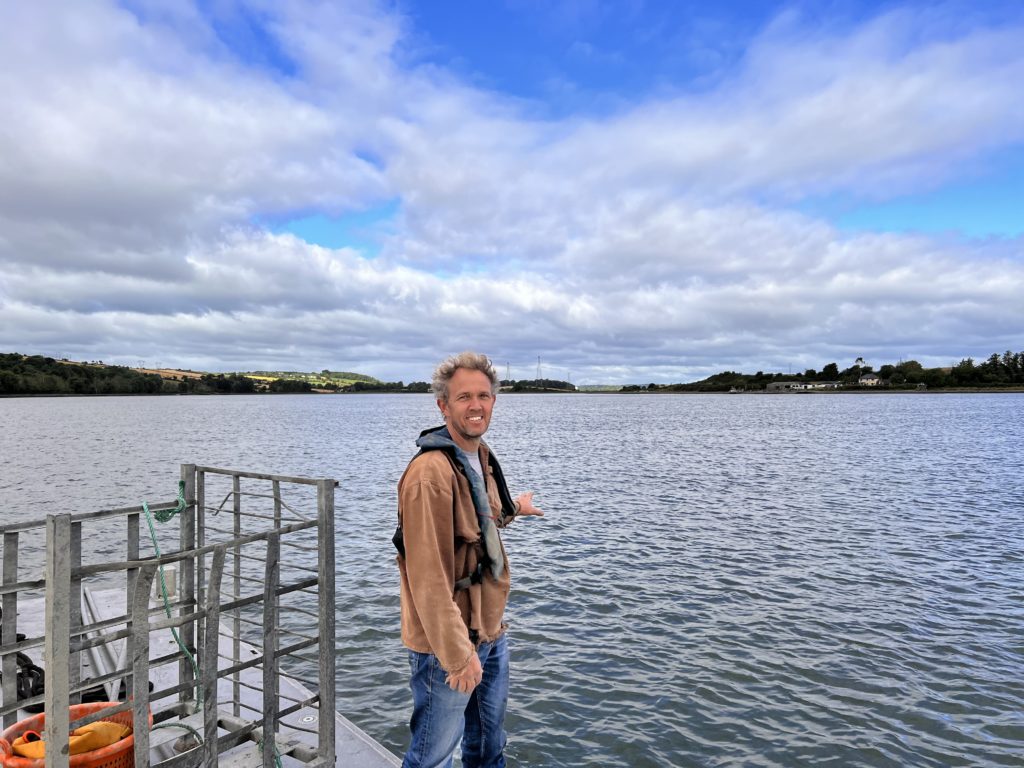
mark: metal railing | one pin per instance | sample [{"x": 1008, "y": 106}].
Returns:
[{"x": 269, "y": 540}]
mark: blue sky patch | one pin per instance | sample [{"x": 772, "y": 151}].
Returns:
[
  {"x": 992, "y": 205},
  {"x": 363, "y": 230}
]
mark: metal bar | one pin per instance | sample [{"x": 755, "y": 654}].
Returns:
[
  {"x": 81, "y": 517},
  {"x": 201, "y": 559},
  {"x": 173, "y": 557},
  {"x": 254, "y": 516},
  {"x": 252, "y": 599},
  {"x": 209, "y": 665},
  {"x": 164, "y": 693},
  {"x": 100, "y": 653},
  {"x": 75, "y": 660},
  {"x": 250, "y": 622},
  {"x": 222, "y": 531},
  {"x": 256, "y": 495},
  {"x": 325, "y": 519},
  {"x": 251, "y": 495},
  {"x": 291, "y": 710},
  {"x": 258, "y": 516},
  {"x": 236, "y": 645},
  {"x": 259, "y": 689},
  {"x": 31, "y": 702},
  {"x": 121, "y": 621},
  {"x": 161, "y": 623},
  {"x": 187, "y": 576},
  {"x": 250, "y": 579},
  {"x": 21, "y": 586},
  {"x": 276, "y": 489},
  {"x": 27, "y": 644},
  {"x": 300, "y": 547},
  {"x": 308, "y": 702},
  {"x": 9, "y": 630},
  {"x": 260, "y": 476},
  {"x": 304, "y": 612},
  {"x": 255, "y": 558},
  {"x": 114, "y": 709},
  {"x": 240, "y": 730},
  {"x": 293, "y": 633},
  {"x": 250, "y": 707},
  {"x": 271, "y": 662},
  {"x": 58, "y": 637},
  {"x": 281, "y": 630},
  {"x": 306, "y": 590},
  {"x": 302, "y": 728},
  {"x": 123, "y": 672},
  {"x": 138, "y": 686},
  {"x": 257, "y": 661},
  {"x": 132, "y": 553}
]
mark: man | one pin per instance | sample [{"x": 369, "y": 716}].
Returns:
[{"x": 455, "y": 579}]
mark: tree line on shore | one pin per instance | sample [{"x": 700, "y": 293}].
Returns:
[
  {"x": 38, "y": 375},
  {"x": 995, "y": 372}
]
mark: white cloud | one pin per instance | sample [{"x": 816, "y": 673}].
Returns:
[
  {"x": 140, "y": 155},
  {"x": 120, "y": 140},
  {"x": 865, "y": 115}
]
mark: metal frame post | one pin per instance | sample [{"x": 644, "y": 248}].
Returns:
[
  {"x": 132, "y": 554},
  {"x": 57, "y": 648},
  {"x": 9, "y": 627},
  {"x": 139, "y": 688},
  {"x": 75, "y": 661},
  {"x": 210, "y": 653},
  {"x": 325, "y": 568},
  {"x": 271, "y": 646},
  {"x": 200, "y": 509},
  {"x": 236, "y": 625},
  {"x": 187, "y": 581}
]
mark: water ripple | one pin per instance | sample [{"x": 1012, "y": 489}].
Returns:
[{"x": 720, "y": 581}]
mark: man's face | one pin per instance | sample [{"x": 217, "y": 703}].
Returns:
[{"x": 469, "y": 406}]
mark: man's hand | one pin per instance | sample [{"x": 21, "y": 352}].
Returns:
[
  {"x": 525, "y": 502},
  {"x": 467, "y": 678}
]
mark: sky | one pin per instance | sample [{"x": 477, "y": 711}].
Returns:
[{"x": 613, "y": 191}]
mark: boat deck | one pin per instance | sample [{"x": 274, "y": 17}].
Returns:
[
  {"x": 353, "y": 747},
  {"x": 225, "y": 609}
]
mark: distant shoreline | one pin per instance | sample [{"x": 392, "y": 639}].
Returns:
[{"x": 656, "y": 393}]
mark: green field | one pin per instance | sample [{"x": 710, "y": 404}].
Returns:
[{"x": 318, "y": 380}]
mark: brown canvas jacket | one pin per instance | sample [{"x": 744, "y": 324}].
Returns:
[{"x": 440, "y": 531}]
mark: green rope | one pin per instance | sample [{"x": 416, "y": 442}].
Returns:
[
  {"x": 186, "y": 726},
  {"x": 163, "y": 517},
  {"x": 277, "y": 755}
]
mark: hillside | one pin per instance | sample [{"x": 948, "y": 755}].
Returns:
[
  {"x": 323, "y": 380},
  {"x": 37, "y": 375},
  {"x": 22, "y": 374},
  {"x": 1005, "y": 371}
]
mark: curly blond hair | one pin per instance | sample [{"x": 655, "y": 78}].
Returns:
[{"x": 472, "y": 361}]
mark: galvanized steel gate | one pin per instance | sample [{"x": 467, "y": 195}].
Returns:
[{"x": 244, "y": 544}]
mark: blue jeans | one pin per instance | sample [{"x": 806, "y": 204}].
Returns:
[{"x": 440, "y": 716}]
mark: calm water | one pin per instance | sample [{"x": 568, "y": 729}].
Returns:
[{"x": 720, "y": 580}]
